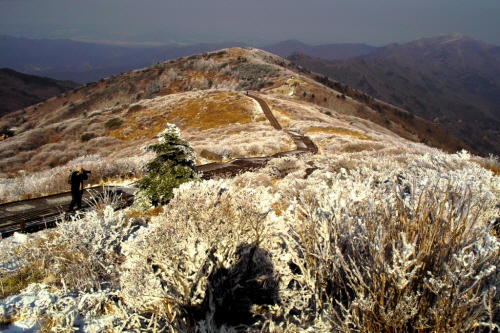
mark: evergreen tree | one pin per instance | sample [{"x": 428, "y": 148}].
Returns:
[{"x": 173, "y": 165}]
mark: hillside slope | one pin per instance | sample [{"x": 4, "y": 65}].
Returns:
[
  {"x": 450, "y": 79},
  {"x": 18, "y": 90}
]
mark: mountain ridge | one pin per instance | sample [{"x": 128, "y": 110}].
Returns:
[
  {"x": 450, "y": 79},
  {"x": 324, "y": 51},
  {"x": 18, "y": 90}
]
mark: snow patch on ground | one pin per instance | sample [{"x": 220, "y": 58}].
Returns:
[{"x": 41, "y": 301}]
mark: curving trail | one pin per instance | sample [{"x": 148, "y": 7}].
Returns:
[
  {"x": 267, "y": 111},
  {"x": 240, "y": 165}
]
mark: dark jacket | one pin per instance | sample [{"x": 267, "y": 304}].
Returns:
[{"x": 77, "y": 181}]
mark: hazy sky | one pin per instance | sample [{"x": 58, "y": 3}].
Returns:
[{"x": 258, "y": 22}]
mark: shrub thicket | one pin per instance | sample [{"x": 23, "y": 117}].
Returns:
[
  {"x": 114, "y": 122},
  {"x": 391, "y": 247},
  {"x": 87, "y": 136}
]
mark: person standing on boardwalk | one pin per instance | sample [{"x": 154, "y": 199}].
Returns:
[{"x": 76, "y": 180}]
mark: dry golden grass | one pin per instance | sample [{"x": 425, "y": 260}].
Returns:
[
  {"x": 199, "y": 113},
  {"x": 235, "y": 53},
  {"x": 336, "y": 131},
  {"x": 143, "y": 125},
  {"x": 11, "y": 284},
  {"x": 216, "y": 110}
]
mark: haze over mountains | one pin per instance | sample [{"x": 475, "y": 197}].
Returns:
[
  {"x": 450, "y": 79},
  {"x": 82, "y": 62},
  {"x": 65, "y": 59}
]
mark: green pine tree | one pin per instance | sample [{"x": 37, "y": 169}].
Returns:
[{"x": 173, "y": 165}]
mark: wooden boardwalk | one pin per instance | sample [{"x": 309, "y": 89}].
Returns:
[
  {"x": 237, "y": 166},
  {"x": 40, "y": 213}
]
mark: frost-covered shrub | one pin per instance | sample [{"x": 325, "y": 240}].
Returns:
[
  {"x": 206, "y": 65},
  {"x": 248, "y": 71},
  {"x": 80, "y": 254},
  {"x": 201, "y": 83},
  {"x": 153, "y": 87},
  {"x": 254, "y": 149},
  {"x": 84, "y": 253},
  {"x": 223, "y": 151},
  {"x": 340, "y": 162},
  {"x": 203, "y": 259},
  {"x": 253, "y": 179},
  {"x": 55, "y": 180},
  {"x": 491, "y": 163},
  {"x": 392, "y": 261},
  {"x": 271, "y": 148},
  {"x": 362, "y": 145},
  {"x": 281, "y": 167},
  {"x": 82, "y": 259}
]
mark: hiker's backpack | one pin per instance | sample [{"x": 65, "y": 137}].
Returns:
[{"x": 70, "y": 177}]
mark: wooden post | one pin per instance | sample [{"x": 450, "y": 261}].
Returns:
[
  {"x": 125, "y": 197},
  {"x": 22, "y": 226}
]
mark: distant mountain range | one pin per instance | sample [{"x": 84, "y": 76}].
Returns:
[
  {"x": 82, "y": 62},
  {"x": 451, "y": 79},
  {"x": 327, "y": 51},
  {"x": 18, "y": 90}
]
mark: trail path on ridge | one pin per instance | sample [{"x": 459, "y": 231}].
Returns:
[
  {"x": 267, "y": 111},
  {"x": 232, "y": 168}
]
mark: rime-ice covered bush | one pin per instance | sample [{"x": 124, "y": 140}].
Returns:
[
  {"x": 254, "y": 149},
  {"x": 248, "y": 71},
  {"x": 392, "y": 245},
  {"x": 223, "y": 151},
  {"x": 81, "y": 261},
  {"x": 153, "y": 87},
  {"x": 204, "y": 259},
  {"x": 244, "y": 141},
  {"x": 409, "y": 253},
  {"x": 83, "y": 254},
  {"x": 281, "y": 167},
  {"x": 206, "y": 65},
  {"x": 55, "y": 180}
]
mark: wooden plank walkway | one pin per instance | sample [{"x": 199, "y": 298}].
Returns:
[{"x": 39, "y": 213}]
